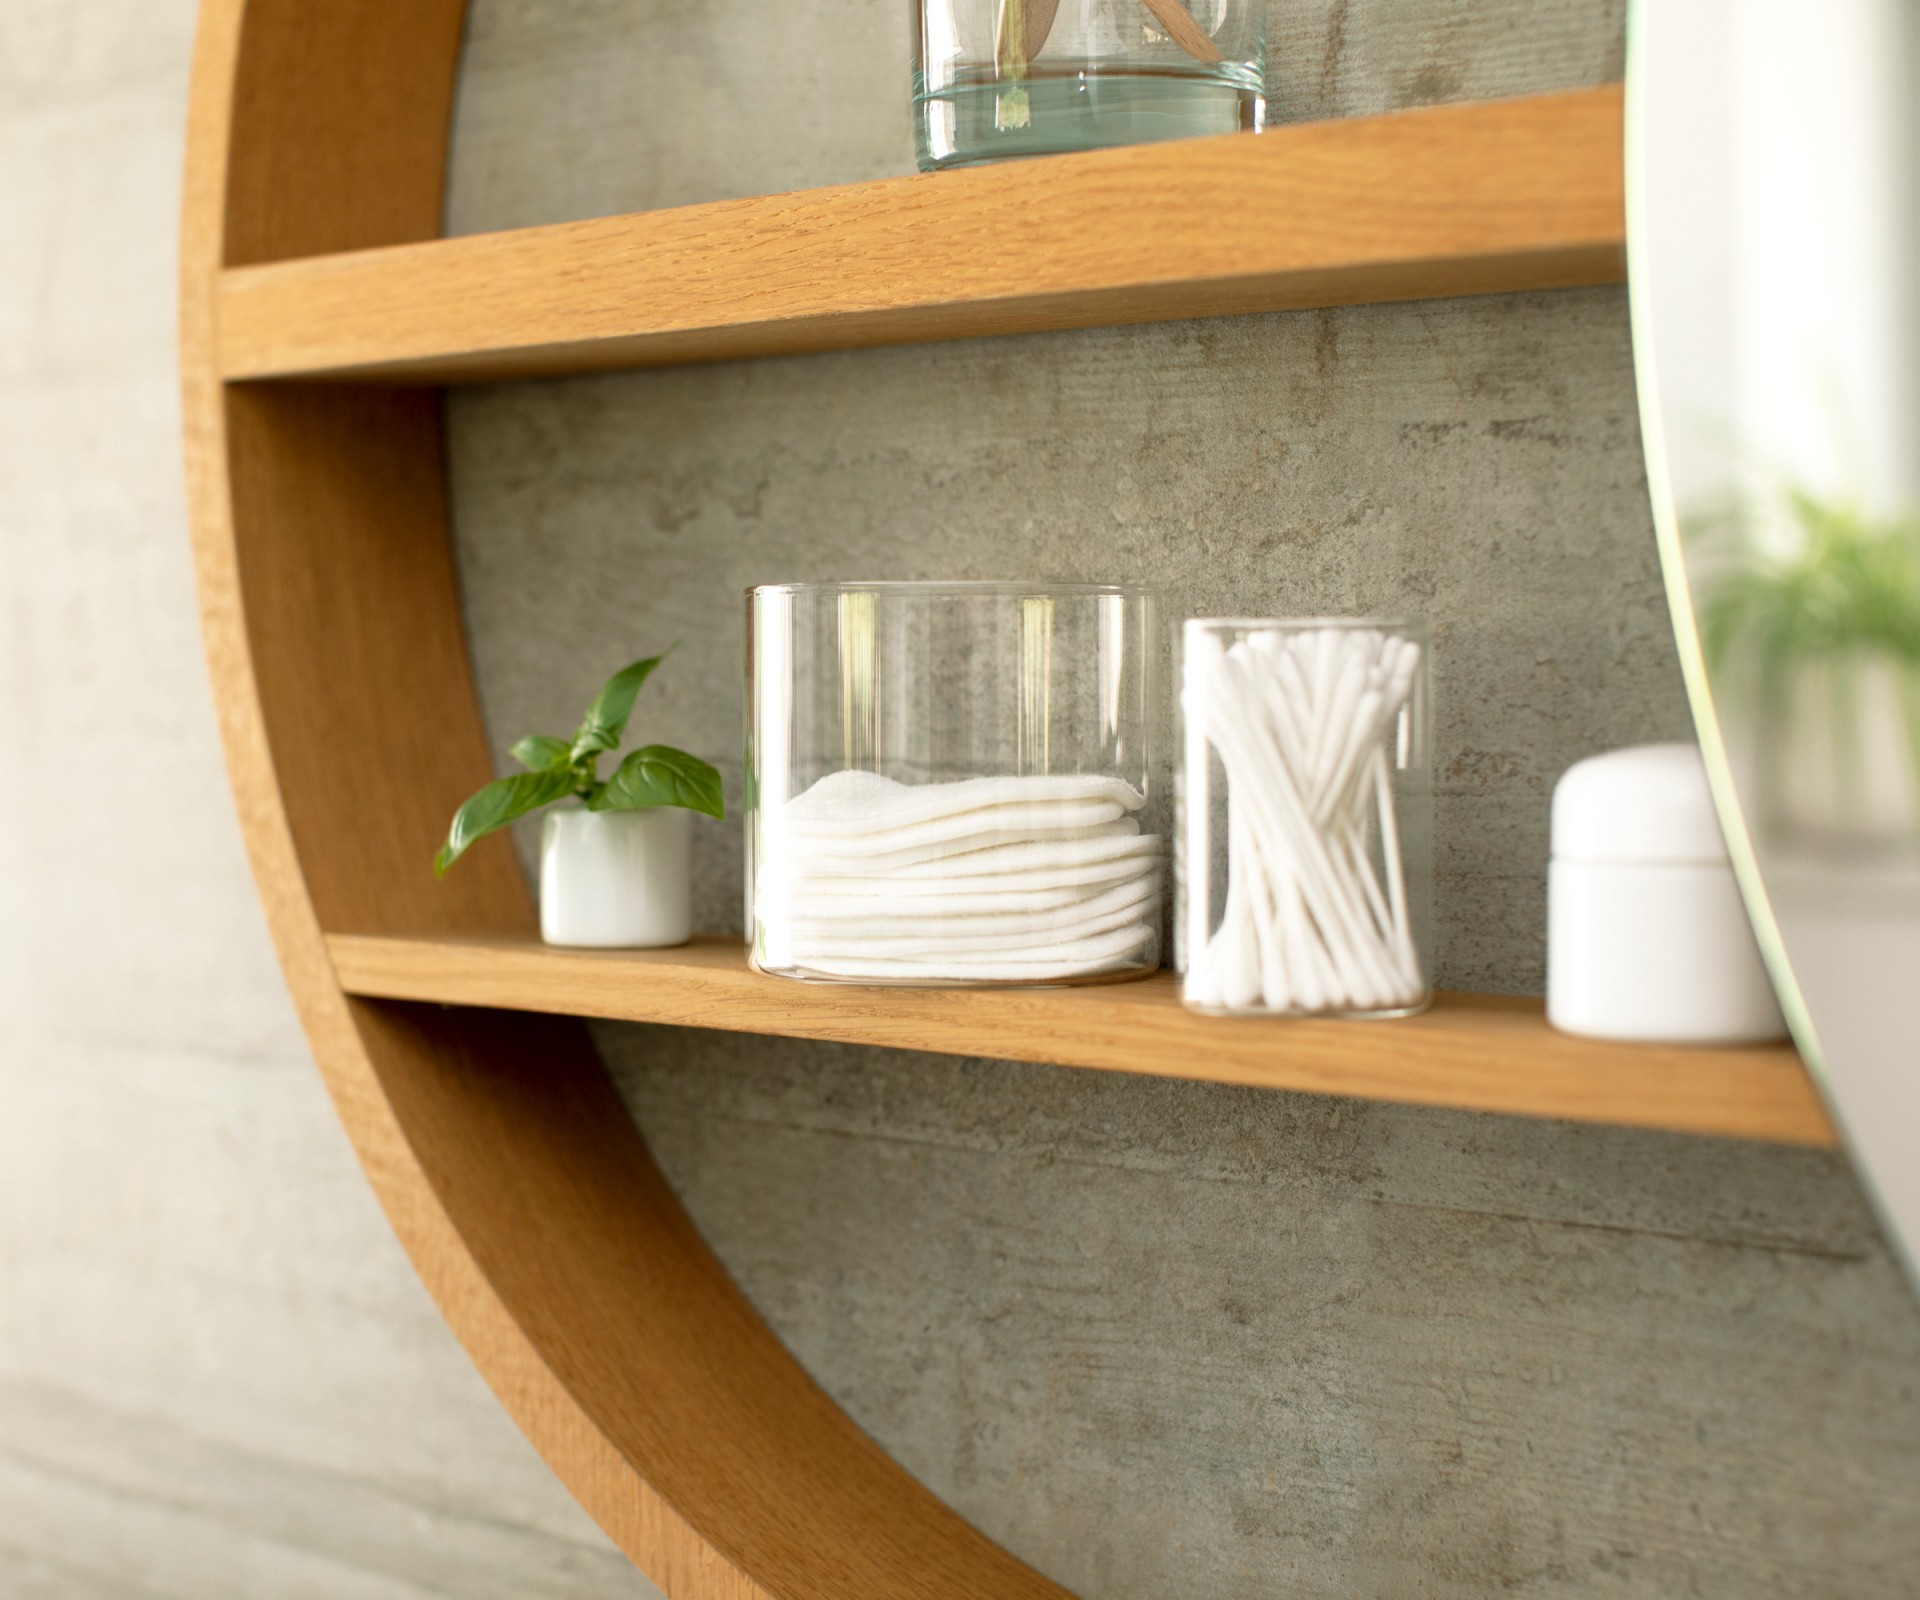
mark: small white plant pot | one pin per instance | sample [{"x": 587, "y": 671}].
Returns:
[{"x": 616, "y": 879}]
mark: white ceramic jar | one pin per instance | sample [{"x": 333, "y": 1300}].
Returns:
[
  {"x": 1647, "y": 936},
  {"x": 616, "y": 879}
]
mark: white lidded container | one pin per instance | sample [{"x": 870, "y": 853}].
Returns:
[{"x": 1648, "y": 939}]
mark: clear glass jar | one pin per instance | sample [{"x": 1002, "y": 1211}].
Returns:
[
  {"x": 1304, "y": 850},
  {"x": 953, "y": 783},
  {"x": 998, "y": 78}
]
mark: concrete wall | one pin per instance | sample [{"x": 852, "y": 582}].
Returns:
[
  {"x": 1168, "y": 1339},
  {"x": 219, "y": 1379},
  {"x": 1177, "y": 1341},
  {"x": 1162, "y": 1339}
]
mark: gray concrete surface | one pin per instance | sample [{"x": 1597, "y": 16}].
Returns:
[
  {"x": 219, "y": 1379},
  {"x": 1163, "y": 1339},
  {"x": 1172, "y": 1340}
]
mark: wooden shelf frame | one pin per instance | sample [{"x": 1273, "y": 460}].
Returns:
[
  {"x": 1481, "y": 1052},
  {"x": 456, "y": 1057},
  {"x": 506, "y": 1163},
  {"x": 1466, "y": 199}
]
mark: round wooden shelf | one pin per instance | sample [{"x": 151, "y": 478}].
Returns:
[
  {"x": 505, "y": 1161},
  {"x": 508, "y": 1166}
]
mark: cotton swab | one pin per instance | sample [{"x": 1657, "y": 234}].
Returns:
[{"x": 1303, "y": 723}]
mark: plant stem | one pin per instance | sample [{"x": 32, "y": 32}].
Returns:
[{"x": 1184, "y": 31}]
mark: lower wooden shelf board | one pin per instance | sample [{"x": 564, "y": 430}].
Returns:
[{"x": 1476, "y": 1052}]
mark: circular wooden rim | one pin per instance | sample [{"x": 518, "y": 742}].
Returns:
[{"x": 506, "y": 1162}]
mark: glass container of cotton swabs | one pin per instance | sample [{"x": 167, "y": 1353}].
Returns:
[
  {"x": 954, "y": 783},
  {"x": 1304, "y": 839}
]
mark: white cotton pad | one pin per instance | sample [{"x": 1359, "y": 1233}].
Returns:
[
  {"x": 849, "y": 803},
  {"x": 1009, "y": 891},
  {"x": 1088, "y": 879},
  {"x": 1081, "y": 960},
  {"x": 1024, "y": 945},
  {"x": 1115, "y": 852},
  {"x": 880, "y": 919},
  {"x": 991, "y": 879},
  {"x": 983, "y": 825},
  {"x": 810, "y": 855}
]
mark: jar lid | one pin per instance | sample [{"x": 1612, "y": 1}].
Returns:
[{"x": 1648, "y": 803}]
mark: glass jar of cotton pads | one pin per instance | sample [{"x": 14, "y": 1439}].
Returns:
[
  {"x": 1304, "y": 847},
  {"x": 1000, "y": 78},
  {"x": 953, "y": 783}
]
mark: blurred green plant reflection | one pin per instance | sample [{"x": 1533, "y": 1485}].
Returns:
[{"x": 1810, "y": 623}]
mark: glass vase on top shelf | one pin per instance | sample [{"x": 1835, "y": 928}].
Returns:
[{"x": 1000, "y": 78}]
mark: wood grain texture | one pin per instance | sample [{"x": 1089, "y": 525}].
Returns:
[
  {"x": 353, "y": 615},
  {"x": 344, "y": 108},
  {"x": 505, "y": 1162},
  {"x": 1477, "y": 1052},
  {"x": 1468, "y": 199}
]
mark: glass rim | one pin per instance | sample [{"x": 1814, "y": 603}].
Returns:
[
  {"x": 931, "y": 588},
  {"x": 1256, "y": 624}
]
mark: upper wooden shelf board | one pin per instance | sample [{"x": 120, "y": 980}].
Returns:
[
  {"x": 1478, "y": 1052},
  {"x": 1479, "y": 198}
]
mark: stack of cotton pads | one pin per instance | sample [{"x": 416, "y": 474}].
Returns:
[{"x": 1006, "y": 880}]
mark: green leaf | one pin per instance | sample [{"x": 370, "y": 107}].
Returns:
[
  {"x": 541, "y": 752},
  {"x": 660, "y": 775},
  {"x": 502, "y": 801},
  {"x": 1842, "y": 580},
  {"x": 606, "y": 720}
]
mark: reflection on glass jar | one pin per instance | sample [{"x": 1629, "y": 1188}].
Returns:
[{"x": 999, "y": 78}]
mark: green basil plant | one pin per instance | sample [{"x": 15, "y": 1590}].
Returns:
[{"x": 655, "y": 775}]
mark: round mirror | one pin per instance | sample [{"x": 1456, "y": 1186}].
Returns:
[{"x": 1774, "y": 239}]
